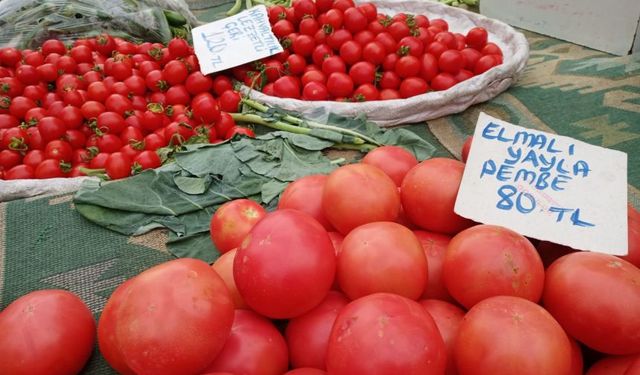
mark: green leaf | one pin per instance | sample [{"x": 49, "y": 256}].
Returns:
[{"x": 192, "y": 185}]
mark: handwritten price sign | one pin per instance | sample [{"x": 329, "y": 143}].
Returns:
[
  {"x": 235, "y": 40},
  {"x": 546, "y": 186}
]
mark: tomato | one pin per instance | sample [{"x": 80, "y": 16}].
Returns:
[
  {"x": 178, "y": 47},
  {"x": 363, "y": 37},
  {"x": 8, "y": 121},
  {"x": 27, "y": 74},
  {"x": 255, "y": 347},
  {"x": 224, "y": 267},
  {"x": 178, "y": 132},
  {"x": 308, "y": 335},
  {"x": 19, "y": 172},
  {"x": 53, "y": 46},
  {"x": 175, "y": 72},
  {"x": 355, "y": 20},
  {"x": 365, "y": 93},
  {"x": 313, "y": 76},
  {"x": 448, "y": 318},
  {"x": 366, "y": 266},
  {"x": 205, "y": 108},
  {"x": 233, "y": 221},
  {"x": 230, "y": 101},
  {"x": 9, "y": 159},
  {"x": 476, "y": 38},
  {"x": 14, "y": 139},
  {"x": 436, "y": 49},
  {"x": 33, "y": 158},
  {"x": 224, "y": 124},
  {"x": 411, "y": 45},
  {"x": 471, "y": 57},
  {"x": 296, "y": 64},
  {"x": 308, "y": 26},
  {"x": 305, "y": 194},
  {"x": 305, "y": 371},
  {"x": 389, "y": 80},
  {"x": 20, "y": 105},
  {"x": 99, "y": 160},
  {"x": 408, "y": 66},
  {"x": 51, "y": 128},
  {"x": 491, "y": 49},
  {"x": 633, "y": 223},
  {"x": 9, "y": 56},
  {"x": 118, "y": 165},
  {"x": 399, "y": 29},
  {"x": 339, "y": 84},
  {"x": 612, "y": 365},
  {"x": 429, "y": 192},
  {"x": 374, "y": 52},
  {"x": 197, "y": 82},
  {"x": 333, "y": 64},
  {"x": 435, "y": 247},
  {"x": 362, "y": 72},
  {"x": 347, "y": 208},
  {"x": 413, "y": 86},
  {"x": 287, "y": 87},
  {"x": 303, "y": 45},
  {"x": 451, "y": 61},
  {"x": 141, "y": 322},
  {"x": 274, "y": 69},
  {"x": 634, "y": 368},
  {"x": 523, "y": 327},
  {"x": 282, "y": 28},
  {"x": 350, "y": 52},
  {"x": 387, "y": 41},
  {"x": 109, "y": 143},
  {"x": 359, "y": 341},
  {"x": 286, "y": 265},
  {"x": 46, "y": 332},
  {"x": 389, "y": 62},
  {"x": 59, "y": 150},
  {"x": 337, "y": 38},
  {"x": 147, "y": 160},
  {"x": 581, "y": 285},
  {"x": 485, "y": 63},
  {"x": 395, "y": 161},
  {"x": 443, "y": 81},
  {"x": 496, "y": 261},
  {"x": 154, "y": 141}
]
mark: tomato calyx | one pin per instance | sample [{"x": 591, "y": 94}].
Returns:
[
  {"x": 5, "y": 102},
  {"x": 18, "y": 144},
  {"x": 65, "y": 167},
  {"x": 410, "y": 21},
  {"x": 403, "y": 51},
  {"x": 96, "y": 172},
  {"x": 156, "y": 53},
  {"x": 136, "y": 145},
  {"x": 29, "y": 124},
  {"x": 155, "y": 107},
  {"x": 327, "y": 28},
  {"x": 386, "y": 21}
]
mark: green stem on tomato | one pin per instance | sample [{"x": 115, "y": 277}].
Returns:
[{"x": 312, "y": 124}]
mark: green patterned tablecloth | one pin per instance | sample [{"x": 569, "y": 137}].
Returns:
[{"x": 565, "y": 89}]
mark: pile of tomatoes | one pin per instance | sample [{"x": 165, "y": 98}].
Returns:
[
  {"x": 105, "y": 104},
  {"x": 336, "y": 50},
  {"x": 383, "y": 279}
]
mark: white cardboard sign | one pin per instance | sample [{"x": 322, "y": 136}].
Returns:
[
  {"x": 235, "y": 40},
  {"x": 546, "y": 186}
]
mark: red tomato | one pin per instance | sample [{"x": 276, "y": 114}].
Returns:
[
  {"x": 376, "y": 199},
  {"x": 46, "y": 332},
  {"x": 411, "y": 45},
  {"x": 230, "y": 101},
  {"x": 355, "y": 20},
  {"x": 18, "y": 172},
  {"x": 633, "y": 223},
  {"x": 408, "y": 66},
  {"x": 220, "y": 84},
  {"x": 477, "y": 38},
  {"x": 287, "y": 87},
  {"x": 612, "y": 365},
  {"x": 224, "y": 267},
  {"x": 359, "y": 341},
  {"x": 395, "y": 161},
  {"x": 118, "y": 165},
  {"x": 495, "y": 261},
  {"x": 286, "y": 264},
  {"x": 308, "y": 335},
  {"x": 363, "y": 72},
  {"x": 205, "y": 108},
  {"x": 451, "y": 61},
  {"x": 581, "y": 285},
  {"x": 315, "y": 91},
  {"x": 389, "y": 80},
  {"x": 443, "y": 81},
  {"x": 50, "y": 168},
  {"x": 448, "y": 318},
  {"x": 374, "y": 52},
  {"x": 232, "y": 221},
  {"x": 523, "y": 327},
  {"x": 366, "y": 92},
  {"x": 435, "y": 247},
  {"x": 59, "y": 150},
  {"x": 141, "y": 322},
  {"x": 340, "y": 84},
  {"x": 413, "y": 86},
  {"x": 351, "y": 52},
  {"x": 254, "y": 347},
  {"x": 305, "y": 371},
  {"x": 366, "y": 266},
  {"x": 485, "y": 63},
  {"x": 333, "y": 64},
  {"x": 634, "y": 368},
  {"x": 305, "y": 194},
  {"x": 429, "y": 193}
]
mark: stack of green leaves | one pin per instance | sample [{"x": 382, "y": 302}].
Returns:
[{"x": 181, "y": 196}]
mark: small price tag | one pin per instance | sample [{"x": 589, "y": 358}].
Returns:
[
  {"x": 546, "y": 186},
  {"x": 235, "y": 40}
]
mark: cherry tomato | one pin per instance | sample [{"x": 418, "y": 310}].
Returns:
[
  {"x": 205, "y": 108},
  {"x": 413, "y": 86},
  {"x": 340, "y": 84},
  {"x": 443, "y": 81},
  {"x": 408, "y": 66},
  {"x": 315, "y": 90},
  {"x": 287, "y": 87}
]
